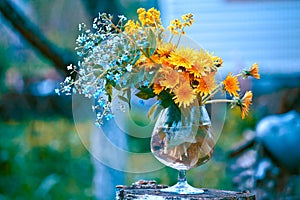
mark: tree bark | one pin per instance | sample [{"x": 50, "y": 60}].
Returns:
[
  {"x": 150, "y": 190},
  {"x": 32, "y": 34}
]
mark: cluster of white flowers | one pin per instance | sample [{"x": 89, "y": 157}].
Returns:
[{"x": 105, "y": 56}]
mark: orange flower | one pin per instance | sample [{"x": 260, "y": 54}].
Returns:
[
  {"x": 231, "y": 85},
  {"x": 254, "y": 71},
  {"x": 245, "y": 103},
  {"x": 184, "y": 95},
  {"x": 157, "y": 89},
  {"x": 206, "y": 85}
]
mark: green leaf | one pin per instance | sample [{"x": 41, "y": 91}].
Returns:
[
  {"x": 123, "y": 99},
  {"x": 118, "y": 87},
  {"x": 141, "y": 74},
  {"x": 154, "y": 111},
  {"x": 151, "y": 37},
  {"x": 108, "y": 89},
  {"x": 145, "y": 93},
  {"x": 128, "y": 93},
  {"x": 166, "y": 99}
]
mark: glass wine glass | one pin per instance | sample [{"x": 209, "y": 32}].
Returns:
[{"x": 183, "y": 142}]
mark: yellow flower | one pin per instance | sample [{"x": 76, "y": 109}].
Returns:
[
  {"x": 254, "y": 71},
  {"x": 165, "y": 49},
  {"x": 231, "y": 85},
  {"x": 188, "y": 19},
  {"x": 202, "y": 63},
  {"x": 217, "y": 61},
  {"x": 245, "y": 103},
  {"x": 141, "y": 11},
  {"x": 206, "y": 84},
  {"x": 169, "y": 79},
  {"x": 182, "y": 57},
  {"x": 157, "y": 88},
  {"x": 184, "y": 95},
  {"x": 176, "y": 26},
  {"x": 132, "y": 27},
  {"x": 149, "y": 18}
]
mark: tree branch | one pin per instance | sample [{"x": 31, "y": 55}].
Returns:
[{"x": 32, "y": 34}]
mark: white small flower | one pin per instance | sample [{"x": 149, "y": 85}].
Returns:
[
  {"x": 70, "y": 67},
  {"x": 57, "y": 91},
  {"x": 129, "y": 67},
  {"x": 68, "y": 79},
  {"x": 122, "y": 17}
]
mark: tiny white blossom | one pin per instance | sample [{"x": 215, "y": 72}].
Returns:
[
  {"x": 57, "y": 91},
  {"x": 129, "y": 67},
  {"x": 122, "y": 17},
  {"x": 70, "y": 67}
]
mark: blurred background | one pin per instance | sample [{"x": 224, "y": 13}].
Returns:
[{"x": 42, "y": 156}]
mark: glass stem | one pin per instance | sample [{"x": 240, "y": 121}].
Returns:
[{"x": 182, "y": 176}]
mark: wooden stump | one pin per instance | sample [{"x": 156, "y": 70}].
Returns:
[{"x": 148, "y": 190}]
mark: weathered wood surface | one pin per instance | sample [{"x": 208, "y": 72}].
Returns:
[{"x": 149, "y": 190}]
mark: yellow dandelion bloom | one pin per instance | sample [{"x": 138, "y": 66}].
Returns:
[
  {"x": 206, "y": 84},
  {"x": 245, "y": 103},
  {"x": 182, "y": 57},
  {"x": 254, "y": 71},
  {"x": 184, "y": 95},
  {"x": 169, "y": 79},
  {"x": 217, "y": 61},
  {"x": 165, "y": 49},
  {"x": 157, "y": 88},
  {"x": 231, "y": 85},
  {"x": 202, "y": 63},
  {"x": 184, "y": 77}
]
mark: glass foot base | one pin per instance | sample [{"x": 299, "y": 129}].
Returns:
[{"x": 183, "y": 188}]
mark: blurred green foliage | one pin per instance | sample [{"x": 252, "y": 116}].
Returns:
[{"x": 43, "y": 159}]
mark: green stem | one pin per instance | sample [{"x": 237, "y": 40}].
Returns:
[
  {"x": 213, "y": 93},
  {"x": 171, "y": 38},
  {"x": 238, "y": 75},
  {"x": 217, "y": 90},
  {"x": 178, "y": 41},
  {"x": 219, "y": 101}
]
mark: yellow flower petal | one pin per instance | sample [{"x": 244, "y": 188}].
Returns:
[
  {"x": 254, "y": 71},
  {"x": 245, "y": 103},
  {"x": 206, "y": 85},
  {"x": 184, "y": 95}
]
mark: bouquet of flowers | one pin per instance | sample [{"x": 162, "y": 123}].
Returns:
[{"x": 115, "y": 58}]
